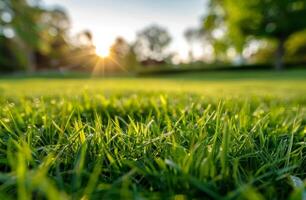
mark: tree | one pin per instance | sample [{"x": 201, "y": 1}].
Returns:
[
  {"x": 119, "y": 49},
  {"x": 122, "y": 54},
  {"x": 221, "y": 34},
  {"x": 38, "y": 34},
  {"x": 83, "y": 51},
  {"x": 26, "y": 26},
  {"x": 296, "y": 47},
  {"x": 191, "y": 35},
  {"x": 152, "y": 42},
  {"x": 55, "y": 35},
  {"x": 274, "y": 19}
]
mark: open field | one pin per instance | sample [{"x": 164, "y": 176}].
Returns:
[{"x": 237, "y": 135}]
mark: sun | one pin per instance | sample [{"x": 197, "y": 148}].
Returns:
[{"x": 102, "y": 51}]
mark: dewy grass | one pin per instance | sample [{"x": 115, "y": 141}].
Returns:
[{"x": 135, "y": 144}]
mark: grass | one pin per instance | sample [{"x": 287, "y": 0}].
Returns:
[{"x": 211, "y": 136}]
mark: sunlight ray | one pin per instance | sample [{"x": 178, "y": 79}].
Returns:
[
  {"x": 96, "y": 68},
  {"x": 118, "y": 64}
]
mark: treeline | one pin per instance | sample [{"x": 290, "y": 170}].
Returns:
[
  {"x": 31, "y": 36},
  {"x": 34, "y": 37},
  {"x": 256, "y": 31}
]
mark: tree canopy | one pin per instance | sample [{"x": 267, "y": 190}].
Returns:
[
  {"x": 152, "y": 42},
  {"x": 34, "y": 33},
  {"x": 273, "y": 19}
]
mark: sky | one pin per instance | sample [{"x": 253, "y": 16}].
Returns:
[{"x": 108, "y": 19}]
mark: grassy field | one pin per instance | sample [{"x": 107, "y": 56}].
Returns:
[{"x": 237, "y": 135}]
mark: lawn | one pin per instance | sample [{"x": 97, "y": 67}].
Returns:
[{"x": 234, "y": 135}]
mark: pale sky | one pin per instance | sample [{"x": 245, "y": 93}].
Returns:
[{"x": 108, "y": 19}]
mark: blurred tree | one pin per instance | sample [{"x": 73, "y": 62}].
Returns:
[
  {"x": 26, "y": 27},
  {"x": 119, "y": 49},
  {"x": 152, "y": 42},
  {"x": 191, "y": 36},
  {"x": 123, "y": 55},
  {"x": 83, "y": 41},
  {"x": 83, "y": 52},
  {"x": 221, "y": 34},
  {"x": 296, "y": 47},
  {"x": 37, "y": 36},
  {"x": 55, "y": 32},
  {"x": 263, "y": 53},
  {"x": 7, "y": 58},
  {"x": 274, "y": 19},
  {"x": 10, "y": 57}
]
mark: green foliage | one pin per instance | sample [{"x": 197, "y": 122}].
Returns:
[
  {"x": 38, "y": 36},
  {"x": 219, "y": 19},
  {"x": 272, "y": 19},
  {"x": 153, "y": 138},
  {"x": 276, "y": 18},
  {"x": 296, "y": 46},
  {"x": 6, "y": 55}
]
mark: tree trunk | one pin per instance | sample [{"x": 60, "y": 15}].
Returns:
[{"x": 280, "y": 53}]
